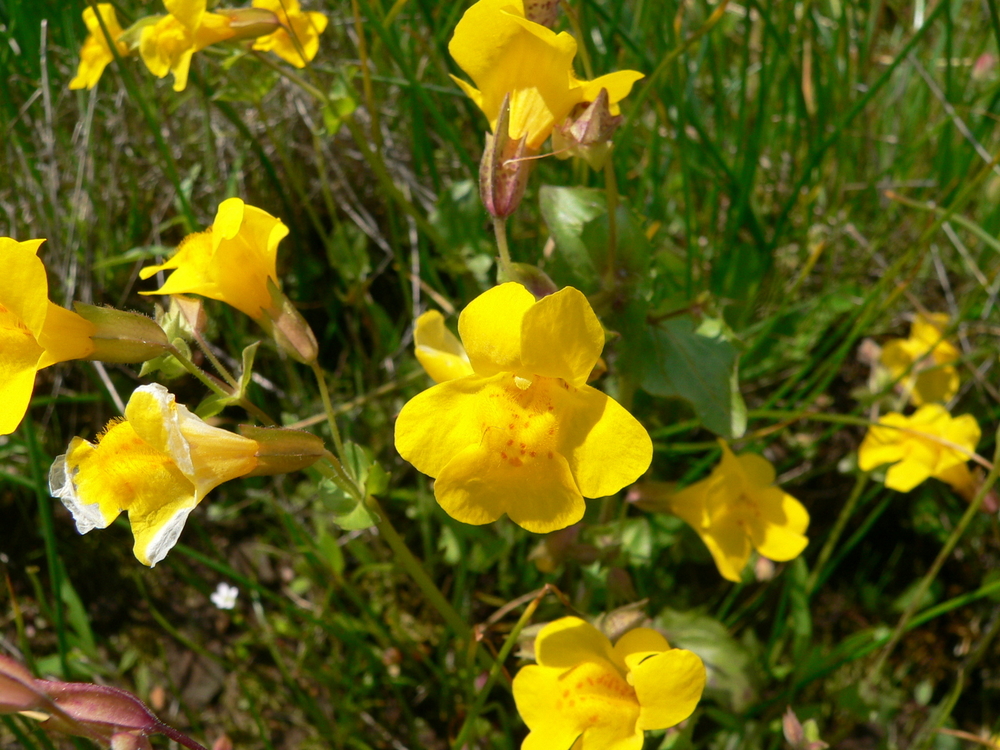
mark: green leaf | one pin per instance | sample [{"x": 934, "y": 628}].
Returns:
[
  {"x": 345, "y": 510},
  {"x": 247, "y": 80},
  {"x": 578, "y": 221},
  {"x": 702, "y": 369},
  {"x": 340, "y": 104},
  {"x": 729, "y": 662}
]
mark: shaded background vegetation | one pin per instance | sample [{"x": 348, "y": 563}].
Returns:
[{"x": 812, "y": 171}]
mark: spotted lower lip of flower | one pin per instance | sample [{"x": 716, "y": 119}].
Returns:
[
  {"x": 582, "y": 688},
  {"x": 298, "y": 41},
  {"x": 505, "y": 53},
  {"x": 34, "y": 332},
  {"x": 168, "y": 45},
  {"x": 929, "y": 443},
  {"x": 922, "y": 363},
  {"x": 524, "y": 434},
  {"x": 95, "y": 54},
  {"x": 738, "y": 508},
  {"x": 157, "y": 464}
]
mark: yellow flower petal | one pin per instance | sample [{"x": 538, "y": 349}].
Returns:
[
  {"x": 639, "y": 640},
  {"x": 780, "y": 533},
  {"x": 477, "y": 486},
  {"x": 921, "y": 362},
  {"x": 592, "y": 698},
  {"x": 17, "y": 370},
  {"x": 157, "y": 465},
  {"x": 506, "y": 54},
  {"x": 169, "y": 44},
  {"x": 124, "y": 473},
  {"x": 442, "y": 421},
  {"x": 207, "y": 455},
  {"x": 65, "y": 335},
  {"x": 95, "y": 54},
  {"x": 231, "y": 261},
  {"x": 490, "y": 328},
  {"x": 729, "y": 545},
  {"x": 619, "y": 85},
  {"x": 936, "y": 384},
  {"x": 24, "y": 287},
  {"x": 561, "y": 337},
  {"x": 301, "y": 45},
  {"x": 607, "y": 448},
  {"x": 188, "y": 12},
  {"x": 920, "y": 445},
  {"x": 568, "y": 641},
  {"x": 668, "y": 686},
  {"x": 34, "y": 333},
  {"x": 440, "y": 353}
]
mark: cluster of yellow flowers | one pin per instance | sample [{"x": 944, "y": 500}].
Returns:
[
  {"x": 512, "y": 426},
  {"x": 929, "y": 442},
  {"x": 167, "y": 42}
]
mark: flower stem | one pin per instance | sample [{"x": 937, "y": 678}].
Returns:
[
  {"x": 324, "y": 394},
  {"x": 838, "y": 529},
  {"x": 207, "y": 380},
  {"x": 416, "y": 570},
  {"x": 611, "y": 191},
  {"x": 943, "y": 555},
  {"x": 216, "y": 362},
  {"x": 463, "y": 738},
  {"x": 500, "y": 230},
  {"x": 335, "y": 472}
]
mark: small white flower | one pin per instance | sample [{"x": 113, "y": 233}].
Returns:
[{"x": 225, "y": 596}]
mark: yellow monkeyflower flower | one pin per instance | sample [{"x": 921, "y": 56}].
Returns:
[
  {"x": 524, "y": 434},
  {"x": 157, "y": 464},
  {"x": 168, "y": 44},
  {"x": 438, "y": 351},
  {"x": 34, "y": 332},
  {"x": 505, "y": 53},
  {"x": 235, "y": 261},
  {"x": 738, "y": 508},
  {"x": 926, "y": 358},
  {"x": 231, "y": 261},
  {"x": 95, "y": 54},
  {"x": 298, "y": 41},
  {"x": 585, "y": 694},
  {"x": 929, "y": 443}
]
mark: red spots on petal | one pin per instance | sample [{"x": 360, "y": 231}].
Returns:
[
  {"x": 516, "y": 461},
  {"x": 565, "y": 693},
  {"x": 532, "y": 454},
  {"x": 594, "y": 718},
  {"x": 510, "y": 427},
  {"x": 572, "y": 703},
  {"x": 579, "y": 684},
  {"x": 550, "y": 454},
  {"x": 552, "y": 430},
  {"x": 503, "y": 455},
  {"x": 590, "y": 680},
  {"x": 526, "y": 424},
  {"x": 510, "y": 442}
]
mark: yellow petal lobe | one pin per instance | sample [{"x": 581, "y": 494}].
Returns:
[
  {"x": 438, "y": 350},
  {"x": 490, "y": 327},
  {"x": 561, "y": 337}
]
